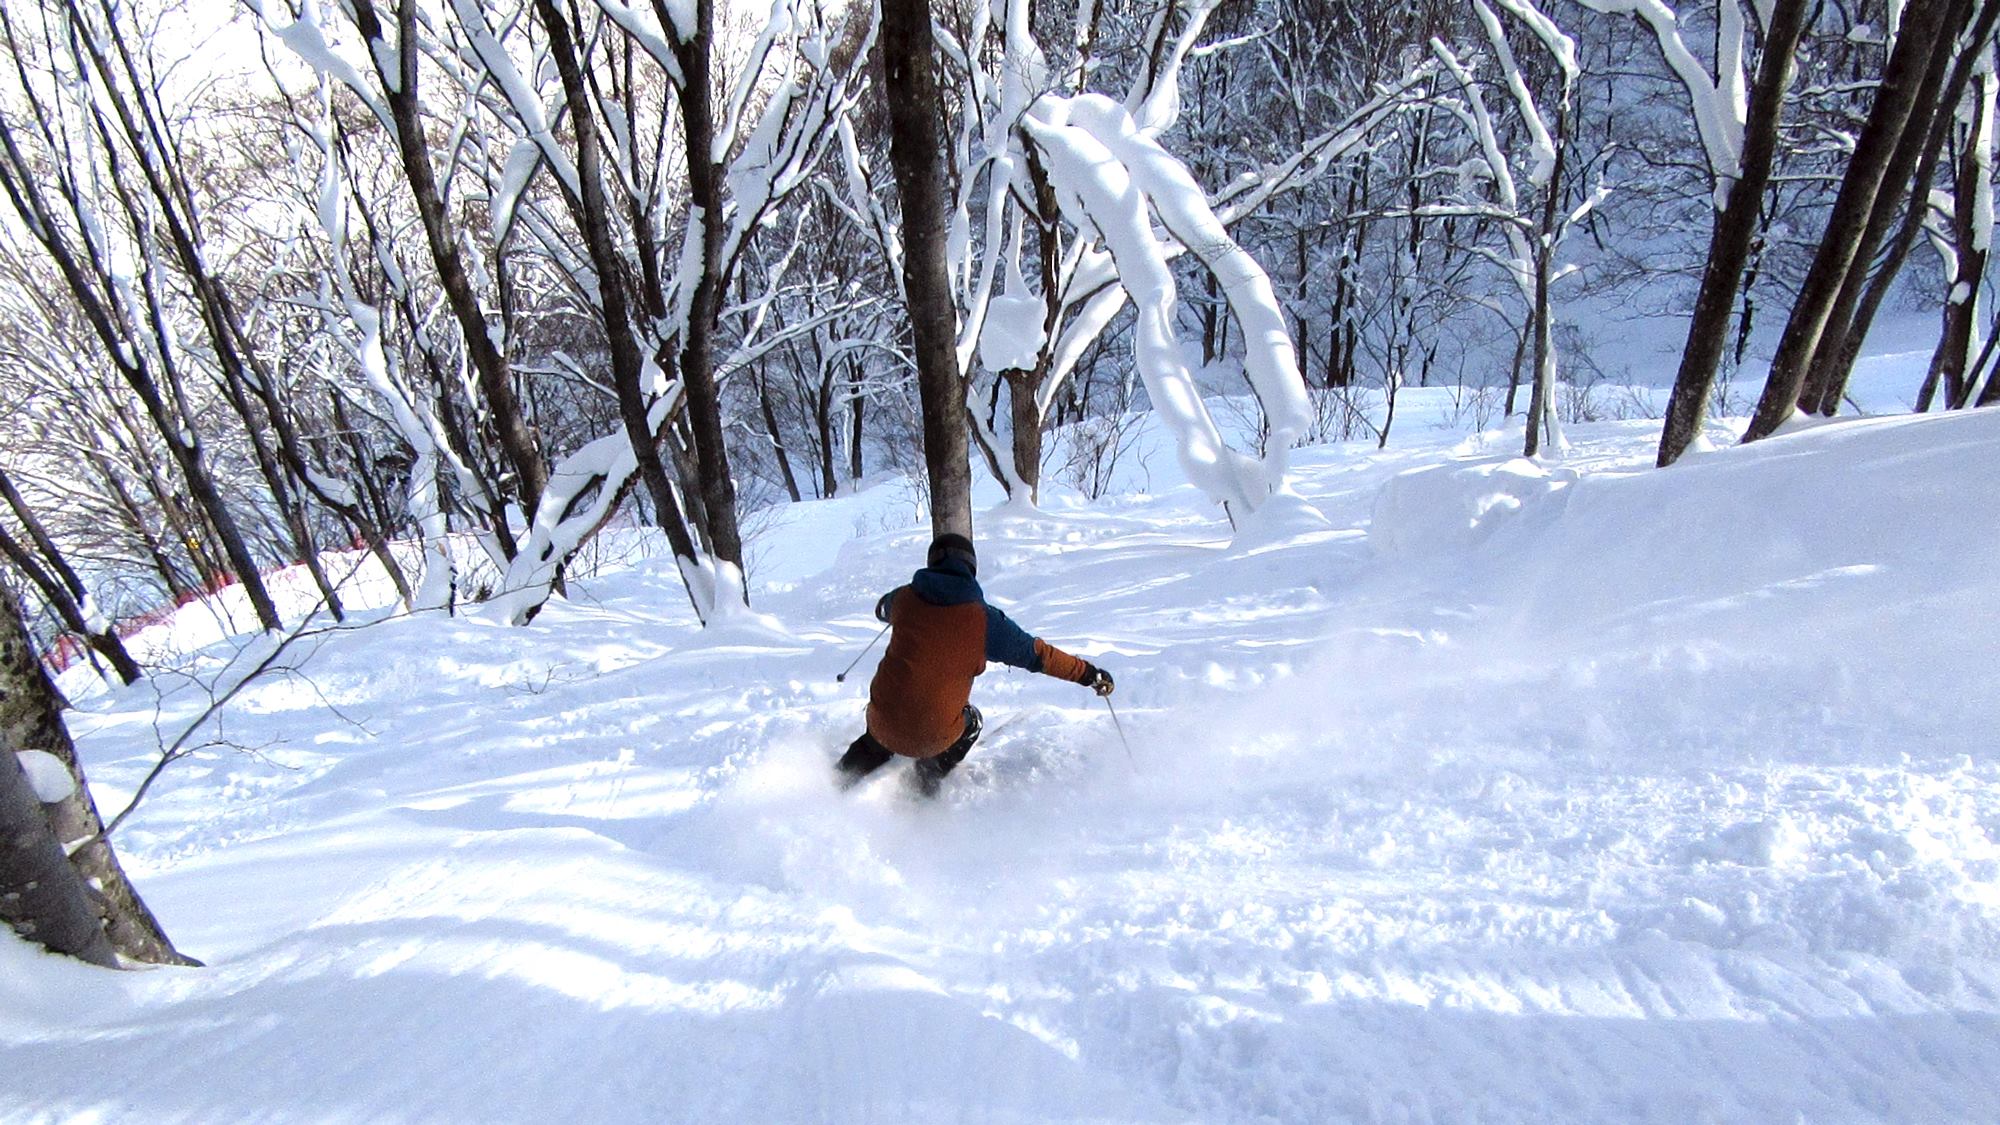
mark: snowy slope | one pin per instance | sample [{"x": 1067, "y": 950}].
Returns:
[{"x": 1461, "y": 789}]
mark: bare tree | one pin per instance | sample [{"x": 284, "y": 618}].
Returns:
[
  {"x": 1973, "y": 48},
  {"x": 1740, "y": 172},
  {"x": 56, "y": 187},
  {"x": 395, "y": 99},
  {"x": 60, "y": 585},
  {"x": 1904, "y": 91},
  {"x": 1962, "y": 242},
  {"x": 916, "y": 150}
]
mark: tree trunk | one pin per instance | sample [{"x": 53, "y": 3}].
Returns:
[
  {"x": 193, "y": 462},
  {"x": 1895, "y": 100},
  {"x": 1734, "y": 232},
  {"x": 59, "y": 599},
  {"x": 31, "y": 719},
  {"x": 1023, "y": 393},
  {"x": 64, "y": 589},
  {"x": 777, "y": 435},
  {"x": 857, "y": 404},
  {"x": 1961, "y": 308},
  {"x": 371, "y": 529},
  {"x": 1918, "y": 206},
  {"x": 41, "y": 896},
  {"x": 627, "y": 361},
  {"x": 704, "y": 406},
  {"x": 1989, "y": 395},
  {"x": 916, "y": 151},
  {"x": 177, "y": 584},
  {"x": 496, "y": 380},
  {"x": 1827, "y": 380},
  {"x": 1514, "y": 373},
  {"x": 1541, "y": 403},
  {"x": 1544, "y": 385}
]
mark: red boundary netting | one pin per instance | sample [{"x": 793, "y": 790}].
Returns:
[{"x": 70, "y": 648}]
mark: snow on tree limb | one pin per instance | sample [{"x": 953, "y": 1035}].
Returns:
[
  {"x": 646, "y": 32},
  {"x": 498, "y": 66},
  {"x": 1103, "y": 194},
  {"x": 424, "y": 501},
  {"x": 583, "y": 490},
  {"x": 1155, "y": 100},
  {"x": 1543, "y": 151},
  {"x": 305, "y": 38},
  {"x": 1722, "y": 104},
  {"x": 1269, "y": 362}
]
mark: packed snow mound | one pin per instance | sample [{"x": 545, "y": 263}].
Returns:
[
  {"x": 1490, "y": 790},
  {"x": 1442, "y": 508}
]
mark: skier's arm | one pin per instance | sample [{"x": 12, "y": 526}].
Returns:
[
  {"x": 882, "y": 604},
  {"x": 1008, "y": 643}
]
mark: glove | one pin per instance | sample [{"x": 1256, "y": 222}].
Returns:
[
  {"x": 1097, "y": 679},
  {"x": 882, "y": 607}
]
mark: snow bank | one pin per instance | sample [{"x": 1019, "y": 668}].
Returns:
[
  {"x": 1449, "y": 508},
  {"x": 1479, "y": 791}
]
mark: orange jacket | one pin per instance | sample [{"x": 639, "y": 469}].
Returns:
[{"x": 941, "y": 636}]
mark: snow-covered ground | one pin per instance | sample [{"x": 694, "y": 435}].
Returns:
[{"x": 1459, "y": 789}]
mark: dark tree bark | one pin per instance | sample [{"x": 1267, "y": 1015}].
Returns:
[
  {"x": 776, "y": 434},
  {"x": 1953, "y": 353},
  {"x": 857, "y": 411},
  {"x": 31, "y": 719},
  {"x": 1540, "y": 405},
  {"x": 496, "y": 379},
  {"x": 1827, "y": 380},
  {"x": 41, "y": 896},
  {"x": 1734, "y": 233},
  {"x": 61, "y": 587},
  {"x": 916, "y": 151},
  {"x": 1990, "y": 394},
  {"x": 1023, "y": 388},
  {"x": 627, "y": 360},
  {"x": 697, "y": 361},
  {"x": 1884, "y": 277},
  {"x": 60, "y": 600},
  {"x": 1895, "y": 101}
]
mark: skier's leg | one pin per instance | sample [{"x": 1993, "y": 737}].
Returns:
[
  {"x": 930, "y": 771},
  {"x": 863, "y": 757}
]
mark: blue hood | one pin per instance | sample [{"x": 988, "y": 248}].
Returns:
[{"x": 947, "y": 583}]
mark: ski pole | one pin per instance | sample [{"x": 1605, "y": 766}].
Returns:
[
  {"x": 842, "y": 678},
  {"x": 1122, "y": 740}
]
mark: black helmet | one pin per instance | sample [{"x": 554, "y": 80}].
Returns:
[{"x": 952, "y": 545}]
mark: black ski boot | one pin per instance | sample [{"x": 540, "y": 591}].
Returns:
[
  {"x": 928, "y": 773},
  {"x": 863, "y": 757}
]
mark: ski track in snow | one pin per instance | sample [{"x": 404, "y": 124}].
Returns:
[{"x": 1500, "y": 794}]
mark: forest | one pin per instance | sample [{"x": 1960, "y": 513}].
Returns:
[
  {"x": 359, "y": 315},
  {"x": 298, "y": 277}
]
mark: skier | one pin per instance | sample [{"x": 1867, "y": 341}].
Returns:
[{"x": 941, "y": 635}]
